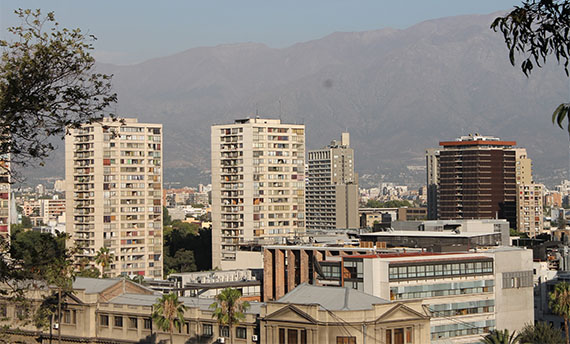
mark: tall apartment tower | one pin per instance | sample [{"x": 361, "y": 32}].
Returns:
[
  {"x": 5, "y": 197},
  {"x": 258, "y": 186},
  {"x": 332, "y": 187},
  {"x": 477, "y": 179},
  {"x": 529, "y": 197},
  {"x": 432, "y": 182},
  {"x": 113, "y": 178}
]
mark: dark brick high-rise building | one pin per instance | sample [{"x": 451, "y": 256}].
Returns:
[{"x": 477, "y": 179}]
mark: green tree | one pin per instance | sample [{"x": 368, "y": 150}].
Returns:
[
  {"x": 169, "y": 313},
  {"x": 501, "y": 337},
  {"x": 104, "y": 258},
  {"x": 61, "y": 274},
  {"x": 538, "y": 29},
  {"x": 166, "y": 219},
  {"x": 183, "y": 261},
  {"x": 89, "y": 272},
  {"x": 47, "y": 85},
  {"x": 26, "y": 222},
  {"x": 541, "y": 333},
  {"x": 228, "y": 309},
  {"x": 559, "y": 304},
  {"x": 37, "y": 251},
  {"x": 372, "y": 203}
]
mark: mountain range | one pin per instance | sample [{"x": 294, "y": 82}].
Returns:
[{"x": 397, "y": 92}]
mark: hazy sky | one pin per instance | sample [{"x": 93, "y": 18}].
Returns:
[{"x": 130, "y": 31}]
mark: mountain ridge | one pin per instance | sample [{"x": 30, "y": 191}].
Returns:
[{"x": 397, "y": 91}]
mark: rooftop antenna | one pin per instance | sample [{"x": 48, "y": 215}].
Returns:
[{"x": 256, "y": 110}]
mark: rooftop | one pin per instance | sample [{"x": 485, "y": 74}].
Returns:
[
  {"x": 190, "y": 302},
  {"x": 446, "y": 234},
  {"x": 332, "y": 298},
  {"x": 94, "y": 285}
]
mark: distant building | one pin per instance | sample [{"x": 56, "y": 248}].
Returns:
[
  {"x": 529, "y": 197},
  {"x": 332, "y": 187},
  {"x": 477, "y": 179},
  {"x": 40, "y": 189},
  {"x": 59, "y": 185},
  {"x": 432, "y": 182}
]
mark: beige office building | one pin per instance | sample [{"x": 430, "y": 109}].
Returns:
[
  {"x": 529, "y": 197},
  {"x": 114, "y": 194},
  {"x": 332, "y": 187},
  {"x": 258, "y": 187}
]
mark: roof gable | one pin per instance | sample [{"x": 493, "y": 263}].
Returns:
[
  {"x": 401, "y": 312},
  {"x": 290, "y": 313}
]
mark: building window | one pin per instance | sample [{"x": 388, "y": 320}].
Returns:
[
  {"x": 104, "y": 320},
  {"x": 3, "y": 311},
  {"x": 345, "y": 340},
  {"x": 118, "y": 321},
  {"x": 207, "y": 330},
  {"x": 69, "y": 316},
  {"x": 133, "y": 323},
  {"x": 147, "y": 323},
  {"x": 291, "y": 336},
  {"x": 21, "y": 313},
  {"x": 224, "y": 331},
  {"x": 399, "y": 336},
  {"x": 241, "y": 332}
]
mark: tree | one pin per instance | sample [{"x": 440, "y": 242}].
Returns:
[
  {"x": 169, "y": 313},
  {"x": 228, "y": 309},
  {"x": 47, "y": 86},
  {"x": 541, "y": 333},
  {"x": 389, "y": 204},
  {"x": 539, "y": 29},
  {"x": 36, "y": 252},
  {"x": 166, "y": 219},
  {"x": 501, "y": 337},
  {"x": 183, "y": 261},
  {"x": 104, "y": 258},
  {"x": 559, "y": 304}
]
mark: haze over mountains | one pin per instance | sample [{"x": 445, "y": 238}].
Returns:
[{"x": 396, "y": 91}]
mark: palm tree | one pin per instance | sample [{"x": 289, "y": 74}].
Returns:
[
  {"x": 104, "y": 258},
  {"x": 228, "y": 309},
  {"x": 541, "y": 333},
  {"x": 559, "y": 304},
  {"x": 501, "y": 337},
  {"x": 169, "y": 313}
]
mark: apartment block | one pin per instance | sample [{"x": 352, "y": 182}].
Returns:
[
  {"x": 332, "y": 187},
  {"x": 477, "y": 179},
  {"x": 258, "y": 187},
  {"x": 529, "y": 197},
  {"x": 5, "y": 198},
  {"x": 114, "y": 194},
  {"x": 432, "y": 182}
]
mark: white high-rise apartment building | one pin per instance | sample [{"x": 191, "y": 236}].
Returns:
[
  {"x": 113, "y": 195},
  {"x": 258, "y": 186}
]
